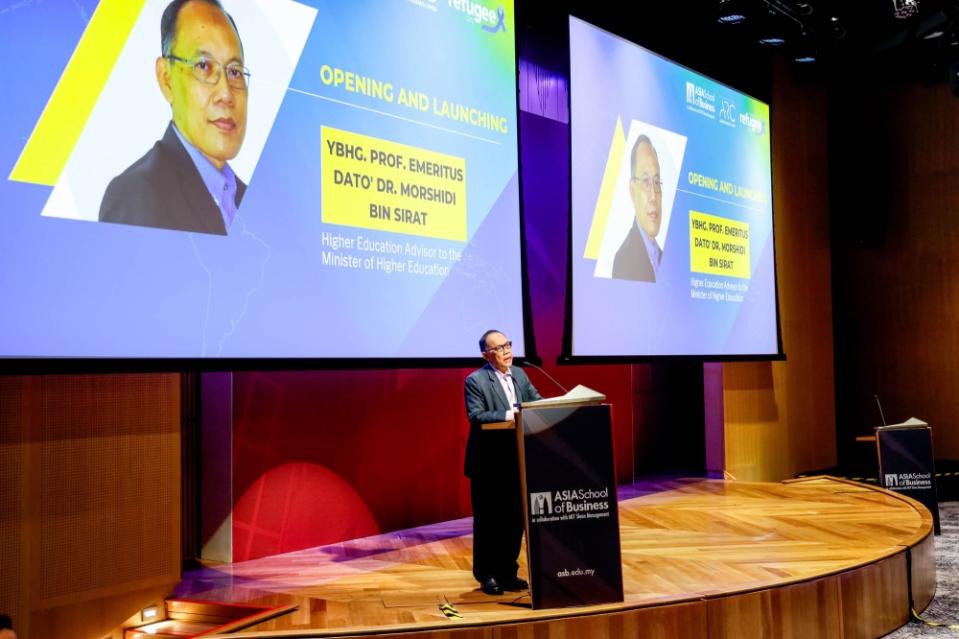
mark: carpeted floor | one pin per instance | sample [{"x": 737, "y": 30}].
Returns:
[{"x": 945, "y": 606}]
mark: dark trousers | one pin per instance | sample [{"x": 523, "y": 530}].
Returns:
[{"x": 497, "y": 523}]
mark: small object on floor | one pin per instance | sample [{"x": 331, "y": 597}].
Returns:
[
  {"x": 934, "y": 624},
  {"x": 449, "y": 609}
]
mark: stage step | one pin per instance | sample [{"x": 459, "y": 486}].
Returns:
[{"x": 185, "y": 618}]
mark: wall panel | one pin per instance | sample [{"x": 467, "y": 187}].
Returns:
[
  {"x": 96, "y": 499},
  {"x": 897, "y": 301},
  {"x": 780, "y": 416}
]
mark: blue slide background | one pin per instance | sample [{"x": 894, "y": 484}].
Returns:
[
  {"x": 72, "y": 288},
  {"x": 612, "y": 78}
]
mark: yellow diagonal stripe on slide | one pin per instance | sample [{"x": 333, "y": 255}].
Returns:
[
  {"x": 605, "y": 200},
  {"x": 68, "y": 109}
]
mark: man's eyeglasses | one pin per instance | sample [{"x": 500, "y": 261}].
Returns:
[
  {"x": 650, "y": 184},
  {"x": 500, "y": 349},
  {"x": 207, "y": 71}
]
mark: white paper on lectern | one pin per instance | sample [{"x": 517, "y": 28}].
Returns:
[
  {"x": 912, "y": 422},
  {"x": 580, "y": 394}
]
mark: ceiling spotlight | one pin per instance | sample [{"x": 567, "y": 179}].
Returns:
[
  {"x": 805, "y": 53},
  {"x": 731, "y": 12},
  {"x": 904, "y": 9},
  {"x": 804, "y": 8},
  {"x": 836, "y": 28},
  {"x": 732, "y": 18},
  {"x": 779, "y": 27}
]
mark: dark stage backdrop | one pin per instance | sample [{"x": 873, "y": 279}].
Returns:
[
  {"x": 321, "y": 457},
  {"x": 895, "y": 252}
]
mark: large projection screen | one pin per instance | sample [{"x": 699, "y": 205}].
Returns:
[
  {"x": 672, "y": 228},
  {"x": 376, "y": 206}
]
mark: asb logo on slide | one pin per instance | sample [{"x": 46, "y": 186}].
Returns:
[{"x": 700, "y": 100}]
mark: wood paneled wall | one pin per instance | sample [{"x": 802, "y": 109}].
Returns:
[
  {"x": 897, "y": 264},
  {"x": 89, "y": 488},
  {"x": 780, "y": 416}
]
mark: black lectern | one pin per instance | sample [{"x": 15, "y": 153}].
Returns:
[
  {"x": 569, "y": 497},
  {"x": 906, "y": 463}
]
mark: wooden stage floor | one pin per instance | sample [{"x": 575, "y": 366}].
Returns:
[{"x": 818, "y": 557}]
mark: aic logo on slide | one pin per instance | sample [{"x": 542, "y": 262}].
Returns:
[
  {"x": 728, "y": 112},
  {"x": 489, "y": 19}
]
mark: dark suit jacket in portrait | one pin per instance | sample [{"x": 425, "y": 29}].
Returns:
[
  {"x": 486, "y": 402},
  {"x": 632, "y": 259},
  {"x": 163, "y": 189}
]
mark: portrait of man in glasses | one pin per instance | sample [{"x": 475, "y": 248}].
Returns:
[
  {"x": 185, "y": 182},
  {"x": 639, "y": 256}
]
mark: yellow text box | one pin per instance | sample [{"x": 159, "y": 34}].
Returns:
[
  {"x": 718, "y": 245},
  {"x": 373, "y": 183}
]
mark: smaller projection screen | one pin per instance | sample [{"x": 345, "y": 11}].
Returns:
[
  {"x": 341, "y": 181},
  {"x": 672, "y": 230}
]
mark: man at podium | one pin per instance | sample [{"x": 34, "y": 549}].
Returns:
[{"x": 492, "y": 395}]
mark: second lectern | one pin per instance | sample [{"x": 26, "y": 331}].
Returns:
[{"x": 569, "y": 497}]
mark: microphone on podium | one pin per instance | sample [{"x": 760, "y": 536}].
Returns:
[
  {"x": 883, "y": 417},
  {"x": 548, "y": 376}
]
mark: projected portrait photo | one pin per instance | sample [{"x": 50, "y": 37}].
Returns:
[
  {"x": 177, "y": 130},
  {"x": 637, "y": 222},
  {"x": 639, "y": 255},
  {"x": 185, "y": 181}
]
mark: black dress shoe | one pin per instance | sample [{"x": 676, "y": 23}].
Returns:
[
  {"x": 513, "y": 583},
  {"x": 491, "y": 587}
]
